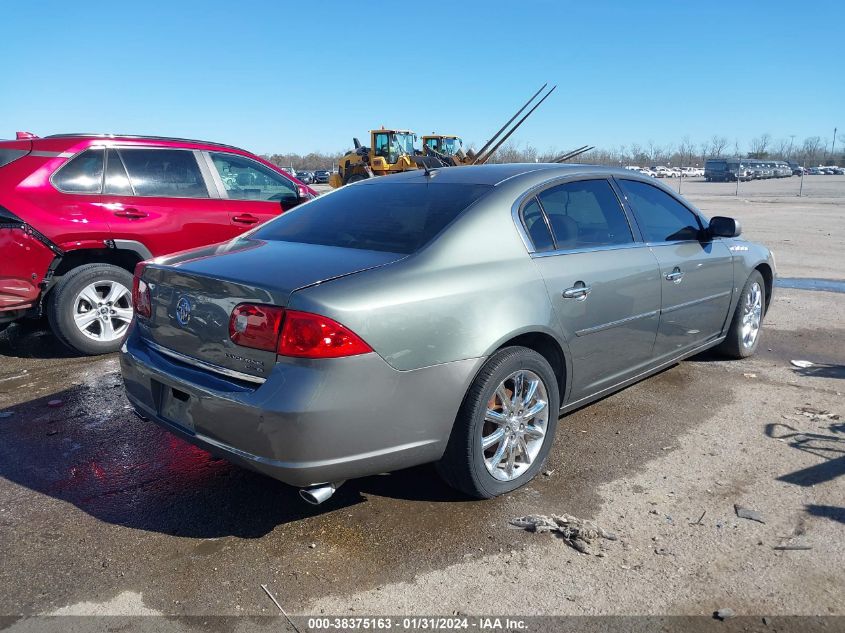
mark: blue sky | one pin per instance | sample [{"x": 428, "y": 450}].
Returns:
[{"x": 303, "y": 76}]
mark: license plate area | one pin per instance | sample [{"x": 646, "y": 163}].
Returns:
[{"x": 174, "y": 405}]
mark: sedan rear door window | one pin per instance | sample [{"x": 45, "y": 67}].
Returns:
[
  {"x": 535, "y": 223},
  {"x": 585, "y": 214},
  {"x": 661, "y": 218},
  {"x": 167, "y": 173},
  {"x": 390, "y": 217}
]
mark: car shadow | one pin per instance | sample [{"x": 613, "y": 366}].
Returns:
[
  {"x": 829, "y": 446},
  {"x": 32, "y": 338},
  {"x": 88, "y": 449},
  {"x": 821, "y": 370},
  {"x": 834, "y": 513}
]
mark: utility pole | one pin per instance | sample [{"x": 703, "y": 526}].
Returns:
[
  {"x": 833, "y": 146},
  {"x": 791, "y": 141}
]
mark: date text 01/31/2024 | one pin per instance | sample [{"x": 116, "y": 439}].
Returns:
[{"x": 416, "y": 623}]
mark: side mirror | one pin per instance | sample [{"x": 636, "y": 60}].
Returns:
[{"x": 721, "y": 226}]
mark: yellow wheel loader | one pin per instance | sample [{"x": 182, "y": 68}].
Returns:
[{"x": 390, "y": 151}]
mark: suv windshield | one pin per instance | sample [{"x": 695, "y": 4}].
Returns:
[{"x": 390, "y": 217}]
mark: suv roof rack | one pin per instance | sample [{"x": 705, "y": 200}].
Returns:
[{"x": 140, "y": 136}]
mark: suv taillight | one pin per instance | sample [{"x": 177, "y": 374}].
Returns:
[
  {"x": 141, "y": 293},
  {"x": 292, "y": 333}
]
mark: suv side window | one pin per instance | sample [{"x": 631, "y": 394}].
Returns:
[
  {"x": 661, "y": 218},
  {"x": 82, "y": 173},
  {"x": 585, "y": 214},
  {"x": 170, "y": 173},
  {"x": 117, "y": 182},
  {"x": 246, "y": 179}
]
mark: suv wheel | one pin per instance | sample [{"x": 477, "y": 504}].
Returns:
[
  {"x": 91, "y": 307},
  {"x": 505, "y": 427}
]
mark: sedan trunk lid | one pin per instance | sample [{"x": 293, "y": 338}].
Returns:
[{"x": 193, "y": 294}]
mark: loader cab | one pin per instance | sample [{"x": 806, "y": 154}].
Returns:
[
  {"x": 448, "y": 145},
  {"x": 392, "y": 144}
]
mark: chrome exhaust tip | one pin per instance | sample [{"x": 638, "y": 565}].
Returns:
[{"x": 315, "y": 495}]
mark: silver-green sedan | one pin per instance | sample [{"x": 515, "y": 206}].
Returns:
[{"x": 448, "y": 316}]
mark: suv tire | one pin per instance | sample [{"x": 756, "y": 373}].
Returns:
[{"x": 91, "y": 307}]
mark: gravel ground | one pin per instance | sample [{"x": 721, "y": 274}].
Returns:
[{"x": 101, "y": 513}]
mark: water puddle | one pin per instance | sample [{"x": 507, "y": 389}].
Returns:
[{"x": 808, "y": 283}]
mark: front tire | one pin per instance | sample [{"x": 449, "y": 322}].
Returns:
[
  {"x": 505, "y": 427},
  {"x": 91, "y": 307},
  {"x": 747, "y": 323}
]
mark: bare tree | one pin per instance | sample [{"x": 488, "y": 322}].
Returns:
[
  {"x": 718, "y": 144},
  {"x": 782, "y": 148},
  {"x": 704, "y": 148},
  {"x": 810, "y": 149},
  {"x": 759, "y": 145},
  {"x": 686, "y": 150}
]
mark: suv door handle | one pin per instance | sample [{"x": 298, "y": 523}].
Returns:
[
  {"x": 675, "y": 276},
  {"x": 578, "y": 292},
  {"x": 130, "y": 213},
  {"x": 245, "y": 218}
]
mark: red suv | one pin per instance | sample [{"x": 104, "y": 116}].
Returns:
[{"x": 78, "y": 211}]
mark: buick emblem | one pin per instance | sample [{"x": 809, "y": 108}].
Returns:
[{"x": 183, "y": 310}]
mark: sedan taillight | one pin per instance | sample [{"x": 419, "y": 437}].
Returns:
[
  {"x": 141, "y": 293},
  {"x": 256, "y": 326},
  {"x": 292, "y": 333},
  {"x": 307, "y": 335}
]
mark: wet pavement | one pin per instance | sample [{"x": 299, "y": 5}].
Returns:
[
  {"x": 94, "y": 501},
  {"x": 825, "y": 285}
]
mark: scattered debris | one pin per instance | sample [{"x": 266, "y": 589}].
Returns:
[
  {"x": 284, "y": 613},
  {"x": 792, "y": 546},
  {"x": 803, "y": 364},
  {"x": 699, "y": 519},
  {"x": 724, "y": 614},
  {"x": 313, "y": 545},
  {"x": 54, "y": 403},
  {"x": 662, "y": 551},
  {"x": 750, "y": 375},
  {"x": 577, "y": 533},
  {"x": 548, "y": 473},
  {"x": 818, "y": 414},
  {"x": 748, "y": 513}
]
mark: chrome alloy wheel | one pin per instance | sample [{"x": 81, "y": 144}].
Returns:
[
  {"x": 752, "y": 314},
  {"x": 515, "y": 425},
  {"x": 102, "y": 310}
]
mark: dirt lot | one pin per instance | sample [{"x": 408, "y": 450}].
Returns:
[{"x": 102, "y": 513}]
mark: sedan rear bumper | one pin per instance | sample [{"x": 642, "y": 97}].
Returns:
[{"x": 312, "y": 421}]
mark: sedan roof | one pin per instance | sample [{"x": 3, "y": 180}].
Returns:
[{"x": 493, "y": 174}]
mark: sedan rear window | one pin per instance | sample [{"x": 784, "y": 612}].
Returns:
[{"x": 390, "y": 217}]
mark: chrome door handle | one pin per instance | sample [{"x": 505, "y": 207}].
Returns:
[
  {"x": 675, "y": 276},
  {"x": 578, "y": 292}
]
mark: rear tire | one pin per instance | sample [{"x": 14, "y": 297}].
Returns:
[
  {"x": 473, "y": 462},
  {"x": 747, "y": 323},
  {"x": 91, "y": 307}
]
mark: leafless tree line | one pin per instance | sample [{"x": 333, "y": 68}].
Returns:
[{"x": 813, "y": 150}]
